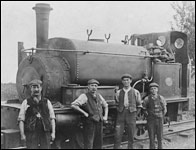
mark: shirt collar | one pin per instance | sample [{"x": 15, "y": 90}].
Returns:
[
  {"x": 126, "y": 90},
  {"x": 154, "y": 96}
]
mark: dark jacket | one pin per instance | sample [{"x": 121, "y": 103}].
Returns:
[
  {"x": 154, "y": 107},
  {"x": 32, "y": 121}
]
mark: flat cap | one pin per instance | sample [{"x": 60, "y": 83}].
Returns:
[
  {"x": 35, "y": 82},
  {"x": 93, "y": 81},
  {"x": 153, "y": 85},
  {"x": 126, "y": 75}
]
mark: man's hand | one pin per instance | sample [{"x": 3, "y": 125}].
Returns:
[
  {"x": 145, "y": 113},
  {"x": 86, "y": 114},
  {"x": 105, "y": 118},
  {"x": 23, "y": 137},
  {"x": 138, "y": 111},
  {"x": 52, "y": 136}
]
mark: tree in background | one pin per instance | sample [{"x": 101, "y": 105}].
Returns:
[{"x": 185, "y": 22}]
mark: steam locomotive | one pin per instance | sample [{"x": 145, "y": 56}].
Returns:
[{"x": 65, "y": 65}]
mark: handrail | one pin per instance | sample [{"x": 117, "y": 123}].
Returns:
[{"x": 84, "y": 51}]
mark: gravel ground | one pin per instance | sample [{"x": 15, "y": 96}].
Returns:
[{"x": 177, "y": 142}]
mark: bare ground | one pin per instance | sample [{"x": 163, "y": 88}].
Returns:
[{"x": 177, "y": 142}]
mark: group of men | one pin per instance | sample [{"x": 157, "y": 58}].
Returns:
[{"x": 37, "y": 118}]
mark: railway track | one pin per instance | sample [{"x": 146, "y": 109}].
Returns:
[{"x": 175, "y": 127}]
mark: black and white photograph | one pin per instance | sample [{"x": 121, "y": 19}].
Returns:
[{"x": 97, "y": 74}]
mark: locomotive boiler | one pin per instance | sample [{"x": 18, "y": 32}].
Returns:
[{"x": 65, "y": 65}]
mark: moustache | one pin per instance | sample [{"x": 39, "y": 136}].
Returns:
[{"x": 37, "y": 92}]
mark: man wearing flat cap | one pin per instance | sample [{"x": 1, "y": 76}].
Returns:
[
  {"x": 155, "y": 105},
  {"x": 90, "y": 105},
  {"x": 129, "y": 105},
  {"x": 37, "y": 119}
]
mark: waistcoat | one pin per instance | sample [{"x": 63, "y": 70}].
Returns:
[
  {"x": 93, "y": 107},
  {"x": 32, "y": 122},
  {"x": 131, "y": 99},
  {"x": 155, "y": 108}
]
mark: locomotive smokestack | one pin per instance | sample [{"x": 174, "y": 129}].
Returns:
[{"x": 42, "y": 24}]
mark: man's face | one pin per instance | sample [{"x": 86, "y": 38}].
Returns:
[
  {"x": 36, "y": 90},
  {"x": 154, "y": 90},
  {"x": 92, "y": 88},
  {"x": 126, "y": 82}
]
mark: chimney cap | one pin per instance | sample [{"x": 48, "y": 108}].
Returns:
[{"x": 42, "y": 6}]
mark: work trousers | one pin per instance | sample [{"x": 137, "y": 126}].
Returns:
[
  {"x": 155, "y": 127},
  {"x": 93, "y": 134},
  {"x": 130, "y": 119},
  {"x": 38, "y": 140}
]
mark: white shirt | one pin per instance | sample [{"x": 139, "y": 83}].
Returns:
[{"x": 126, "y": 100}]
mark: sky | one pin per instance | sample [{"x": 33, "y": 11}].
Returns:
[{"x": 71, "y": 19}]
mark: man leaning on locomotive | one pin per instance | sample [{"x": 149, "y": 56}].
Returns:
[{"x": 90, "y": 105}]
